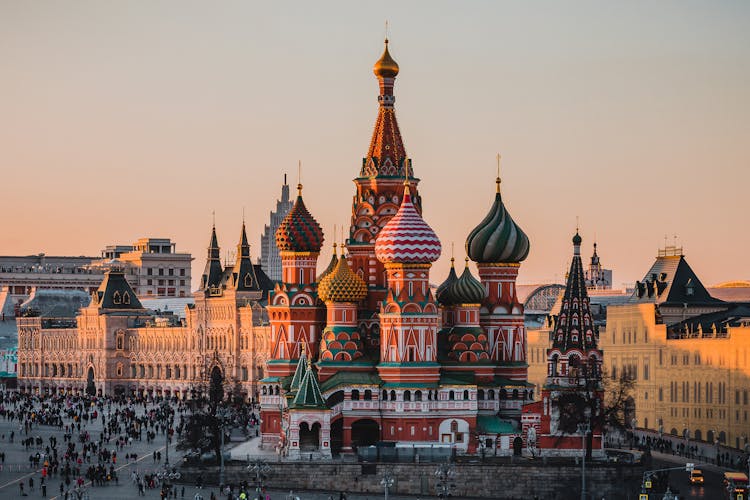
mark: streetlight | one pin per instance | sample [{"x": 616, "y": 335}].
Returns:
[
  {"x": 221, "y": 414},
  {"x": 261, "y": 469},
  {"x": 687, "y": 440},
  {"x": 444, "y": 474},
  {"x": 387, "y": 481},
  {"x": 584, "y": 430},
  {"x": 167, "y": 412}
]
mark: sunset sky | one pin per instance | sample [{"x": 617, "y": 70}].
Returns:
[{"x": 139, "y": 118}]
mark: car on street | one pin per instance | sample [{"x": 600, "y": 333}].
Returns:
[{"x": 696, "y": 477}]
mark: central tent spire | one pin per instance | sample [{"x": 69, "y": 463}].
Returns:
[{"x": 387, "y": 155}]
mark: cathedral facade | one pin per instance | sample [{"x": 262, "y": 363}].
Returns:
[{"x": 365, "y": 353}]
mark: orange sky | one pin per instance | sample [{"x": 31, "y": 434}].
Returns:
[{"x": 130, "y": 119}]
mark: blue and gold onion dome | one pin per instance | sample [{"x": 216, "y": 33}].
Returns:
[
  {"x": 342, "y": 285},
  {"x": 299, "y": 231},
  {"x": 497, "y": 239},
  {"x": 463, "y": 290}
]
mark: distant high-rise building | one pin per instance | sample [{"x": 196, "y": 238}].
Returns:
[{"x": 270, "y": 259}]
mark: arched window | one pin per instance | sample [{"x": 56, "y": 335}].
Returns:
[
  {"x": 418, "y": 396},
  {"x": 407, "y": 395},
  {"x": 491, "y": 394},
  {"x": 466, "y": 395},
  {"x": 451, "y": 395},
  {"x": 454, "y": 426},
  {"x": 368, "y": 395},
  {"x": 480, "y": 394},
  {"x": 515, "y": 393},
  {"x": 385, "y": 396},
  {"x": 393, "y": 395},
  {"x": 355, "y": 395}
]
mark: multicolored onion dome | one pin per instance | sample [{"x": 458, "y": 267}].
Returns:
[
  {"x": 299, "y": 231},
  {"x": 445, "y": 285},
  {"x": 497, "y": 239},
  {"x": 465, "y": 290},
  {"x": 407, "y": 239},
  {"x": 385, "y": 67},
  {"x": 342, "y": 285},
  {"x": 331, "y": 265}
]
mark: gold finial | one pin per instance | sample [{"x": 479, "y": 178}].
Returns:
[
  {"x": 299, "y": 177},
  {"x": 467, "y": 261},
  {"x": 334, "y": 240},
  {"x": 302, "y": 349},
  {"x": 452, "y": 259},
  {"x": 385, "y": 67},
  {"x": 497, "y": 179}
]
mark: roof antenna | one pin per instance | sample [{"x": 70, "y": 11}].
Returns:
[
  {"x": 497, "y": 179},
  {"x": 342, "y": 240},
  {"x": 285, "y": 179},
  {"x": 213, "y": 216},
  {"x": 386, "y": 31}
]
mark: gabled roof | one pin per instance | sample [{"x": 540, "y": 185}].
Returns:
[
  {"x": 671, "y": 281},
  {"x": 115, "y": 292}
]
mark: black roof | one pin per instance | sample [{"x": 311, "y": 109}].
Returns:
[{"x": 115, "y": 292}]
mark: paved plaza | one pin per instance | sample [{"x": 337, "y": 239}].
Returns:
[{"x": 17, "y": 467}]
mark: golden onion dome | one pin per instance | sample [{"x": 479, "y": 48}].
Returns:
[
  {"x": 342, "y": 285},
  {"x": 386, "y": 67}
]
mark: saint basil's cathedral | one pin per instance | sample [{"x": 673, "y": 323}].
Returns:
[{"x": 364, "y": 353}]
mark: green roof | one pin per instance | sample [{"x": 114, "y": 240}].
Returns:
[
  {"x": 350, "y": 378},
  {"x": 308, "y": 395},
  {"x": 491, "y": 424},
  {"x": 270, "y": 380},
  {"x": 300, "y": 372}
]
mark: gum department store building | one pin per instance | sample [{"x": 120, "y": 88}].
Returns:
[{"x": 362, "y": 353}]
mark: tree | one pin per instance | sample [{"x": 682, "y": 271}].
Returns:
[
  {"x": 202, "y": 434},
  {"x": 618, "y": 396},
  {"x": 216, "y": 387}
]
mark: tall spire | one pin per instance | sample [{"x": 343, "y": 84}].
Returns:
[
  {"x": 243, "y": 273},
  {"x": 212, "y": 273},
  {"x": 387, "y": 155},
  {"x": 574, "y": 328}
]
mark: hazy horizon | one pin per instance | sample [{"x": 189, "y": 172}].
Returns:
[{"x": 132, "y": 119}]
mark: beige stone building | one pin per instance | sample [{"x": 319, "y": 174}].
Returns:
[
  {"x": 688, "y": 353},
  {"x": 116, "y": 346}
]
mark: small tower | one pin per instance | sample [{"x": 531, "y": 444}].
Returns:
[
  {"x": 242, "y": 277},
  {"x": 498, "y": 246},
  {"x": 572, "y": 396},
  {"x": 295, "y": 313},
  {"x": 462, "y": 343},
  {"x": 380, "y": 186},
  {"x": 211, "y": 278},
  {"x": 341, "y": 343},
  {"x": 407, "y": 246}
]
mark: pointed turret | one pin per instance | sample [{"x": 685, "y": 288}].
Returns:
[
  {"x": 115, "y": 292},
  {"x": 211, "y": 279},
  {"x": 308, "y": 393},
  {"x": 387, "y": 155},
  {"x": 243, "y": 278},
  {"x": 574, "y": 328}
]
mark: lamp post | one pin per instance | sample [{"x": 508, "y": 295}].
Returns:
[
  {"x": 261, "y": 469},
  {"x": 687, "y": 440},
  {"x": 387, "y": 481},
  {"x": 167, "y": 411},
  {"x": 221, "y": 414},
  {"x": 584, "y": 429},
  {"x": 444, "y": 474}
]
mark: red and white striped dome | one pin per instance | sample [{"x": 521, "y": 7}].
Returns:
[{"x": 407, "y": 239}]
